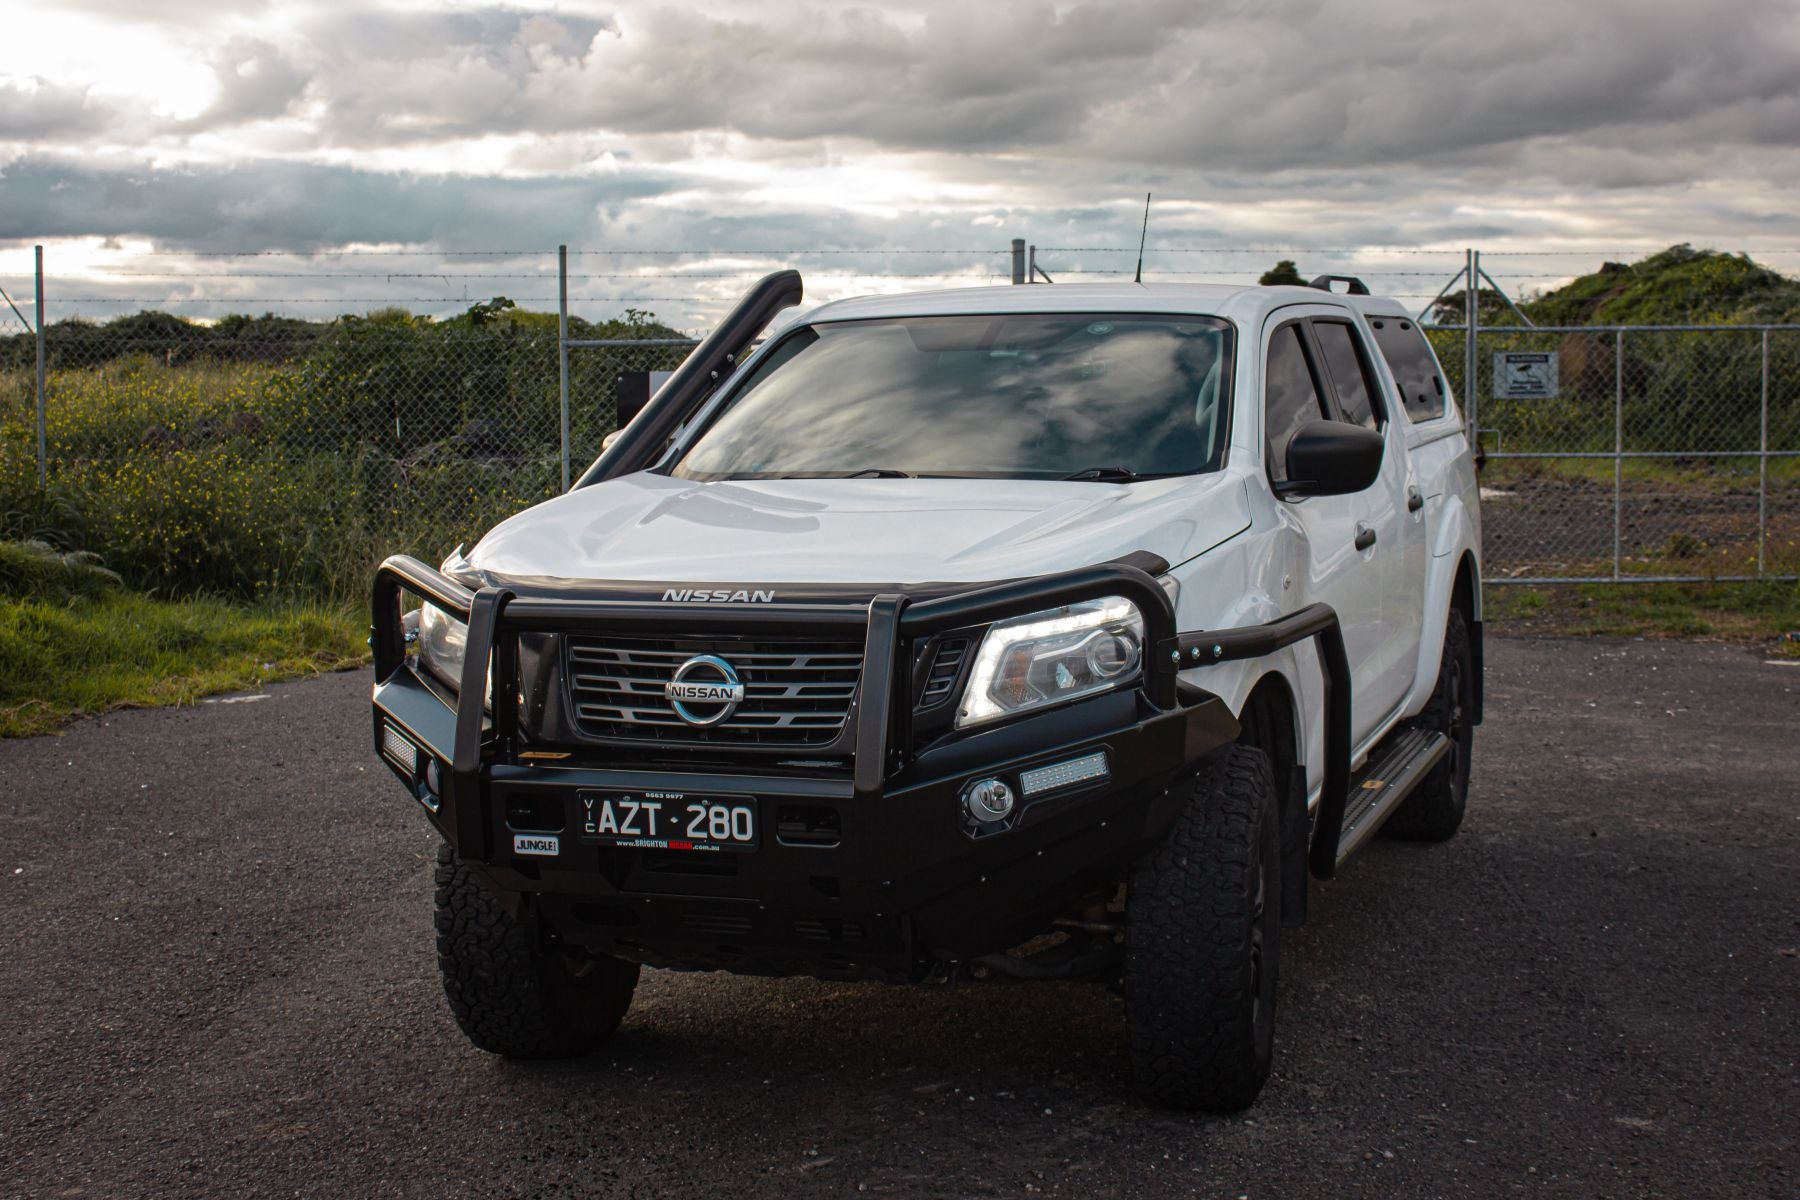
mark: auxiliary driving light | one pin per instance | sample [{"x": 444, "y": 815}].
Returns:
[
  {"x": 399, "y": 749},
  {"x": 987, "y": 801},
  {"x": 1064, "y": 774}
]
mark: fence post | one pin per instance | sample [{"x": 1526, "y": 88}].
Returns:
[
  {"x": 1018, "y": 260},
  {"x": 1618, "y": 448},
  {"x": 42, "y": 454},
  {"x": 1762, "y": 463},
  {"x": 562, "y": 353},
  {"x": 1471, "y": 322}
]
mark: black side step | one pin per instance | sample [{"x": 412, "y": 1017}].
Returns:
[{"x": 1379, "y": 787}]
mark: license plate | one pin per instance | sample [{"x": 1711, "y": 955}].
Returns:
[{"x": 668, "y": 820}]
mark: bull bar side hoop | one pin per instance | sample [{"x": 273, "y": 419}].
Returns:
[{"x": 495, "y": 615}]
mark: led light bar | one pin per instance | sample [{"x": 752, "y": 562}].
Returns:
[{"x": 1064, "y": 774}]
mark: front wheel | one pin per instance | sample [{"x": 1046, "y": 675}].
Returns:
[
  {"x": 514, "y": 991},
  {"x": 1203, "y": 928}
]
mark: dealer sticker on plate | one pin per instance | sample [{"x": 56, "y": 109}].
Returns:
[{"x": 668, "y": 820}]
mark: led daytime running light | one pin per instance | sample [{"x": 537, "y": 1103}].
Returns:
[{"x": 979, "y": 705}]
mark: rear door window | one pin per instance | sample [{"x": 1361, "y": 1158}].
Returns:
[
  {"x": 1290, "y": 395},
  {"x": 1349, "y": 372},
  {"x": 1408, "y": 356}
]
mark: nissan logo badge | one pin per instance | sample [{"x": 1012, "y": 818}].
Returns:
[{"x": 710, "y": 684}]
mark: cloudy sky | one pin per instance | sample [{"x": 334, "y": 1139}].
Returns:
[{"x": 875, "y": 146}]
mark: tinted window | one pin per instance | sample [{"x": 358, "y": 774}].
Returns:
[
  {"x": 1409, "y": 358},
  {"x": 1290, "y": 397},
  {"x": 1349, "y": 376},
  {"x": 1033, "y": 395}
]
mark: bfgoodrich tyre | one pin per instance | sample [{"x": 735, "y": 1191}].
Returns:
[
  {"x": 1203, "y": 941},
  {"x": 513, "y": 990}
]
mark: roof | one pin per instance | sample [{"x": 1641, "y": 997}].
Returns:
[{"x": 1246, "y": 304}]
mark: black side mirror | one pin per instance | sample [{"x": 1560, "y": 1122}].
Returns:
[{"x": 1331, "y": 458}]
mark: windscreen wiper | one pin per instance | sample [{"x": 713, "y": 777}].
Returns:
[
  {"x": 1106, "y": 475},
  {"x": 881, "y": 473}
]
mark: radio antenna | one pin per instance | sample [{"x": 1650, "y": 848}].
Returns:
[{"x": 1142, "y": 237}]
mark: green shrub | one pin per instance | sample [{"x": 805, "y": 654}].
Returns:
[{"x": 38, "y": 571}]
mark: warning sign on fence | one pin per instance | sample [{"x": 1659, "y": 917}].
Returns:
[{"x": 1522, "y": 376}]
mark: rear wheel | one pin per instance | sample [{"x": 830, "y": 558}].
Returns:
[
  {"x": 514, "y": 991},
  {"x": 1203, "y": 940},
  {"x": 1434, "y": 812}
]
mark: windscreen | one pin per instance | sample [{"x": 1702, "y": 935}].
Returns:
[{"x": 1038, "y": 396}]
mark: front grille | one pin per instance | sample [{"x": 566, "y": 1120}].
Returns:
[{"x": 795, "y": 693}]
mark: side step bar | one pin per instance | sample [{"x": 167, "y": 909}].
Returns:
[{"x": 1380, "y": 787}]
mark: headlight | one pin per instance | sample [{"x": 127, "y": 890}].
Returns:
[
  {"x": 1049, "y": 657},
  {"x": 443, "y": 641}
]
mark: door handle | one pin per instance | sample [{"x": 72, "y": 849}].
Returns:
[
  {"x": 1365, "y": 536},
  {"x": 1415, "y": 500}
]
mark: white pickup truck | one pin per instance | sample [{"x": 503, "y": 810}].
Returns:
[{"x": 995, "y": 634}]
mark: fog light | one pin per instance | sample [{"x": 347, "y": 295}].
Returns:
[
  {"x": 434, "y": 787},
  {"x": 1064, "y": 774},
  {"x": 987, "y": 801}
]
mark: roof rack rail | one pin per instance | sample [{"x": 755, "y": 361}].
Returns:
[{"x": 1356, "y": 286}]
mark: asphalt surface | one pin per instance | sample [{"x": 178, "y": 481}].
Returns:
[{"x": 216, "y": 978}]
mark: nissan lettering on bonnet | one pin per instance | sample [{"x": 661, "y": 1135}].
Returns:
[{"x": 717, "y": 596}]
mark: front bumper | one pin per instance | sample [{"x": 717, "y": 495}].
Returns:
[{"x": 879, "y": 877}]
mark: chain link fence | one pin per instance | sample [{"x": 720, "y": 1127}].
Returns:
[
  {"x": 1667, "y": 453},
  {"x": 256, "y": 455},
  {"x": 244, "y": 454}
]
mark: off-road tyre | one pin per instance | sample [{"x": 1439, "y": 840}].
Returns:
[
  {"x": 513, "y": 990},
  {"x": 1203, "y": 929},
  {"x": 1434, "y": 812}
]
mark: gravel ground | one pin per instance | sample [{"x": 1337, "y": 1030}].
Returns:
[{"x": 217, "y": 979}]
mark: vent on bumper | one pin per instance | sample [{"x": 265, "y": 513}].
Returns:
[
  {"x": 946, "y": 667},
  {"x": 795, "y": 693},
  {"x": 829, "y": 929}
]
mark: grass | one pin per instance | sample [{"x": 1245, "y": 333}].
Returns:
[
  {"x": 89, "y": 654},
  {"x": 72, "y": 642},
  {"x": 1765, "y": 614}
]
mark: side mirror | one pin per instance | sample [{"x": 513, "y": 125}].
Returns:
[{"x": 1331, "y": 458}]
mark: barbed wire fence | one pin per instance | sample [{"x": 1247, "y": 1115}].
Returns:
[{"x": 214, "y": 420}]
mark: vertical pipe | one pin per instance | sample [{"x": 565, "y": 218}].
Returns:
[
  {"x": 1762, "y": 463},
  {"x": 1471, "y": 321},
  {"x": 1618, "y": 448},
  {"x": 42, "y": 455},
  {"x": 1018, "y": 249},
  {"x": 1031, "y": 265},
  {"x": 562, "y": 351}
]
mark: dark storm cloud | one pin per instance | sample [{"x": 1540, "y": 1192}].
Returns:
[
  {"x": 43, "y": 111},
  {"x": 1227, "y": 87},
  {"x": 263, "y": 203},
  {"x": 1236, "y": 86},
  {"x": 1247, "y": 87}
]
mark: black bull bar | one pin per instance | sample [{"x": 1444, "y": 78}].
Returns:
[{"x": 495, "y": 616}]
